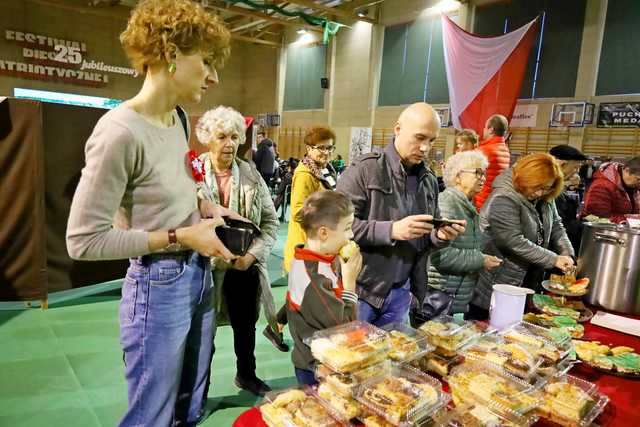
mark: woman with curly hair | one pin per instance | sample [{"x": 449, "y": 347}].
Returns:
[{"x": 136, "y": 167}]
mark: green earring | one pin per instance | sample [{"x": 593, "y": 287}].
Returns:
[{"x": 172, "y": 68}]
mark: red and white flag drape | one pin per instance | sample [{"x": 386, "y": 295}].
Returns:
[{"x": 484, "y": 73}]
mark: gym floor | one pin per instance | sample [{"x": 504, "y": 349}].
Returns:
[{"x": 63, "y": 366}]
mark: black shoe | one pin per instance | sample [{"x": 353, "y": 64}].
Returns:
[
  {"x": 276, "y": 338},
  {"x": 253, "y": 385}
]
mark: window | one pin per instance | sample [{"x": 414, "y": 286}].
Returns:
[
  {"x": 553, "y": 65},
  {"x": 306, "y": 65},
  {"x": 66, "y": 98},
  {"x": 413, "y": 64},
  {"x": 620, "y": 54}
]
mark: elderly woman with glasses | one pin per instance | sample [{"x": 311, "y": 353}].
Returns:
[
  {"x": 454, "y": 269},
  {"x": 314, "y": 173},
  {"x": 239, "y": 286},
  {"x": 523, "y": 227}
]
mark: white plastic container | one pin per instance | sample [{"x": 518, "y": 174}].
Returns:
[{"x": 507, "y": 305}]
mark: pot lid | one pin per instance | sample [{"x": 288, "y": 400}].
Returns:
[{"x": 618, "y": 228}]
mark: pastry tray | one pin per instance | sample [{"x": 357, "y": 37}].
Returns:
[
  {"x": 600, "y": 401},
  {"x": 418, "y": 409},
  {"x": 345, "y": 384},
  {"x": 437, "y": 364},
  {"x": 288, "y": 419},
  {"x": 491, "y": 344},
  {"x": 349, "y": 347},
  {"x": 559, "y": 339},
  {"x": 422, "y": 346},
  {"x": 482, "y": 415},
  {"x": 523, "y": 397},
  {"x": 451, "y": 336}
]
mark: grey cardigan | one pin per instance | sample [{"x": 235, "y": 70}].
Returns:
[
  {"x": 512, "y": 225},
  {"x": 454, "y": 269}
]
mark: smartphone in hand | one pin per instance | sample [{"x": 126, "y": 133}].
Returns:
[{"x": 443, "y": 222}]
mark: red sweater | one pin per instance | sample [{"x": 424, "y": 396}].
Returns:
[
  {"x": 499, "y": 158},
  {"x": 607, "y": 197}
]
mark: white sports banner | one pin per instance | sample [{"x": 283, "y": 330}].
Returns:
[{"x": 524, "y": 116}]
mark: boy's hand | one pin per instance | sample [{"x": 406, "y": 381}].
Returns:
[{"x": 351, "y": 269}]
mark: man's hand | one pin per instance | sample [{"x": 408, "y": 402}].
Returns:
[
  {"x": 451, "y": 232},
  {"x": 411, "y": 227},
  {"x": 244, "y": 262}
]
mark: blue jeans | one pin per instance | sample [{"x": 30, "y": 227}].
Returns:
[
  {"x": 395, "y": 308},
  {"x": 305, "y": 377},
  {"x": 166, "y": 331}
]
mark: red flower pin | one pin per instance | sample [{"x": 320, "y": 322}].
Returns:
[{"x": 197, "y": 171}]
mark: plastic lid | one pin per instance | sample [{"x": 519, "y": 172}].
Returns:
[
  {"x": 297, "y": 407},
  {"x": 481, "y": 415},
  {"x": 402, "y": 395},
  {"x": 344, "y": 384},
  {"x": 407, "y": 344},
  {"x": 448, "y": 334},
  {"x": 568, "y": 400},
  {"x": 349, "y": 347},
  {"x": 485, "y": 383},
  {"x": 514, "y": 358},
  {"x": 538, "y": 337}
]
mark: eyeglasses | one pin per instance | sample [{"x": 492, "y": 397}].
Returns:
[
  {"x": 478, "y": 171},
  {"x": 325, "y": 148}
]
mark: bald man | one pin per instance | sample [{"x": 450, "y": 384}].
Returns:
[{"x": 395, "y": 196}]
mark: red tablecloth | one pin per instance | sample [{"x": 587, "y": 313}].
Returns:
[{"x": 623, "y": 408}]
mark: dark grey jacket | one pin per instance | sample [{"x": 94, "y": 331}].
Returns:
[
  {"x": 265, "y": 157},
  {"x": 512, "y": 224},
  {"x": 376, "y": 183}
]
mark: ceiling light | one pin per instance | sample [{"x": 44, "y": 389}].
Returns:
[
  {"x": 363, "y": 13},
  {"x": 301, "y": 31}
]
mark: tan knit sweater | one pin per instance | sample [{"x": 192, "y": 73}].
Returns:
[{"x": 138, "y": 171}]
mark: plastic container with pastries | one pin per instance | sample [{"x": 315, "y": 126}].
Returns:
[
  {"x": 434, "y": 363},
  {"x": 407, "y": 343},
  {"x": 571, "y": 402},
  {"x": 489, "y": 385},
  {"x": 479, "y": 415},
  {"x": 402, "y": 396},
  {"x": 297, "y": 407},
  {"x": 554, "y": 346},
  {"x": 448, "y": 334},
  {"x": 514, "y": 358},
  {"x": 350, "y": 347},
  {"x": 345, "y": 384}
]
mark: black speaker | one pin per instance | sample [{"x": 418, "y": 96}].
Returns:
[{"x": 324, "y": 83}]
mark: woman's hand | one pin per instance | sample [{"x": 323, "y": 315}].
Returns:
[
  {"x": 244, "y": 262},
  {"x": 351, "y": 269},
  {"x": 564, "y": 263},
  {"x": 208, "y": 209},
  {"x": 491, "y": 262},
  {"x": 202, "y": 238}
]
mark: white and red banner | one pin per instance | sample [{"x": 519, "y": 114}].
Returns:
[{"x": 484, "y": 73}]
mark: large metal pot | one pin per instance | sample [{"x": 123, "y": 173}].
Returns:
[{"x": 610, "y": 258}]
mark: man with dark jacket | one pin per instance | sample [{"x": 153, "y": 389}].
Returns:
[
  {"x": 396, "y": 198},
  {"x": 265, "y": 157},
  {"x": 568, "y": 202}
]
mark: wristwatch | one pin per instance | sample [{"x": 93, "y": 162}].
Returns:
[{"x": 173, "y": 245}]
